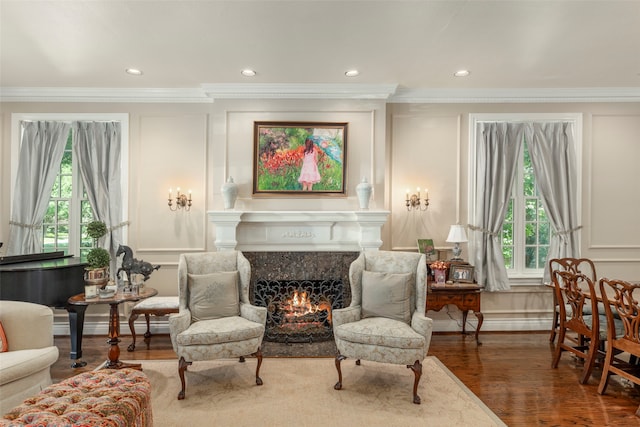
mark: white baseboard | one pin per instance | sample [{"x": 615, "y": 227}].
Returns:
[{"x": 160, "y": 326}]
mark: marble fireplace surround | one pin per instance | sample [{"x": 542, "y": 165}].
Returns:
[
  {"x": 291, "y": 231},
  {"x": 299, "y": 245}
]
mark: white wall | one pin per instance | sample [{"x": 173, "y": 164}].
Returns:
[{"x": 397, "y": 146}]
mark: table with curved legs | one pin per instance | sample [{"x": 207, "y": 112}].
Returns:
[{"x": 81, "y": 303}]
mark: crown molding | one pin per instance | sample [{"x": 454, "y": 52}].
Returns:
[
  {"x": 208, "y": 93},
  {"x": 516, "y": 95},
  {"x": 83, "y": 94},
  {"x": 299, "y": 91}
]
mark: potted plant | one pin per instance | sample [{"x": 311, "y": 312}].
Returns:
[{"x": 97, "y": 272}]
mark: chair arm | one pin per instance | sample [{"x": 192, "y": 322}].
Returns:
[
  {"x": 254, "y": 313},
  {"x": 178, "y": 323},
  {"x": 346, "y": 315},
  {"x": 422, "y": 325}
]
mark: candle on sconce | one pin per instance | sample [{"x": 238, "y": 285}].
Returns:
[
  {"x": 426, "y": 190},
  {"x": 407, "y": 194},
  {"x": 178, "y": 190},
  {"x": 189, "y": 195},
  {"x": 418, "y": 190},
  {"x": 169, "y": 193}
]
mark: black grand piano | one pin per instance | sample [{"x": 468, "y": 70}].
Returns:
[{"x": 47, "y": 279}]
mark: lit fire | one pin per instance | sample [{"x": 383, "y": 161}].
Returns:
[{"x": 299, "y": 306}]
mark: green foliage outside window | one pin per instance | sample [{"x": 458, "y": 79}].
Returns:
[
  {"x": 62, "y": 207},
  {"x": 536, "y": 229}
]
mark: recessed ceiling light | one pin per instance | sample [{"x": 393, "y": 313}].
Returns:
[
  {"x": 462, "y": 73},
  {"x": 248, "y": 73},
  {"x": 352, "y": 73},
  {"x": 133, "y": 71}
]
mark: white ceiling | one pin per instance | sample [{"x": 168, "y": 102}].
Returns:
[{"x": 402, "y": 48}]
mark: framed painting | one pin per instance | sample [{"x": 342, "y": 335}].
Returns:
[
  {"x": 299, "y": 158},
  {"x": 461, "y": 273},
  {"x": 425, "y": 246}
]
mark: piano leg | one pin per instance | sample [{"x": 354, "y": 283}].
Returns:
[{"x": 76, "y": 325}]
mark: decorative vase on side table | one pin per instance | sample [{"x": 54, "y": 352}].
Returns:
[{"x": 439, "y": 269}]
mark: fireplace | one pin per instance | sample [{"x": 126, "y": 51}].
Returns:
[
  {"x": 299, "y": 250},
  {"x": 322, "y": 278},
  {"x": 299, "y": 310}
]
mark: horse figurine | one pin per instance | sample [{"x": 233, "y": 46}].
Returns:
[{"x": 130, "y": 265}]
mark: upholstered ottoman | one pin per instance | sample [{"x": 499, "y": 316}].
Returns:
[
  {"x": 158, "y": 306},
  {"x": 113, "y": 398}
]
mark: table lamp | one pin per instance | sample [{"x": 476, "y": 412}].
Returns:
[{"x": 457, "y": 235}]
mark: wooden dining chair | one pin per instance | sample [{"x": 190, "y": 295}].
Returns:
[
  {"x": 621, "y": 298},
  {"x": 574, "y": 265},
  {"x": 572, "y": 301}
]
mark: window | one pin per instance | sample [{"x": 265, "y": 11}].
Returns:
[
  {"x": 69, "y": 210},
  {"x": 526, "y": 230}
]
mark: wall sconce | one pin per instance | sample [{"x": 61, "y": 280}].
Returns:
[
  {"x": 182, "y": 201},
  {"x": 412, "y": 201},
  {"x": 457, "y": 235}
]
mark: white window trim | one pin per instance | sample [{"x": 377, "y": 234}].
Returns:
[
  {"x": 123, "y": 118},
  {"x": 474, "y": 119}
]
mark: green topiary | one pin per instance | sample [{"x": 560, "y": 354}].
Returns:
[
  {"x": 96, "y": 229},
  {"x": 98, "y": 258}
]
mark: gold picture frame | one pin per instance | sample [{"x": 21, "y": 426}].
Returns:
[{"x": 299, "y": 158}]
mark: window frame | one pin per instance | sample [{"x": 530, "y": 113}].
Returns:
[
  {"x": 519, "y": 276},
  {"x": 74, "y": 220}
]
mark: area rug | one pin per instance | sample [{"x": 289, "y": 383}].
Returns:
[{"x": 299, "y": 392}]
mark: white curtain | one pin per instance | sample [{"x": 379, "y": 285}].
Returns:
[
  {"x": 498, "y": 146},
  {"x": 97, "y": 146},
  {"x": 553, "y": 159},
  {"x": 41, "y": 151}
]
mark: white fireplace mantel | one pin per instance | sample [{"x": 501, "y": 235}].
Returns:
[{"x": 262, "y": 231}]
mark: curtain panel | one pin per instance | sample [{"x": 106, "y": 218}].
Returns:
[
  {"x": 97, "y": 146},
  {"x": 41, "y": 150}
]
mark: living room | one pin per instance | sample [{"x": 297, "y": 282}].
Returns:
[{"x": 198, "y": 133}]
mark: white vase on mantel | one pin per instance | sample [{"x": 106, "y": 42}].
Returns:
[
  {"x": 363, "y": 190},
  {"x": 229, "y": 193}
]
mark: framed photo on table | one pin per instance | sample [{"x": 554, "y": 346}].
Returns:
[
  {"x": 461, "y": 273},
  {"x": 299, "y": 158}
]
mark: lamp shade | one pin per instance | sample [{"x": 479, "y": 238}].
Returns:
[{"x": 457, "y": 234}]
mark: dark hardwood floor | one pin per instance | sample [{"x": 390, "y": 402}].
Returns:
[{"x": 511, "y": 373}]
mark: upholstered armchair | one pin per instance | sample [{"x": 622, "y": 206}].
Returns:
[
  {"x": 385, "y": 321},
  {"x": 215, "y": 318}
]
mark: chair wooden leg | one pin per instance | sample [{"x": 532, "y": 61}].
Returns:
[
  {"x": 558, "y": 351},
  {"x": 417, "y": 371},
  {"x": 590, "y": 362},
  {"x": 132, "y": 319},
  {"x": 604, "y": 379},
  {"x": 339, "y": 358},
  {"x": 555, "y": 324},
  {"x": 258, "y": 355},
  {"x": 147, "y": 335},
  {"x": 182, "y": 366}
]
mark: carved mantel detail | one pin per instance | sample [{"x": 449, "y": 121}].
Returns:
[{"x": 298, "y": 230}]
